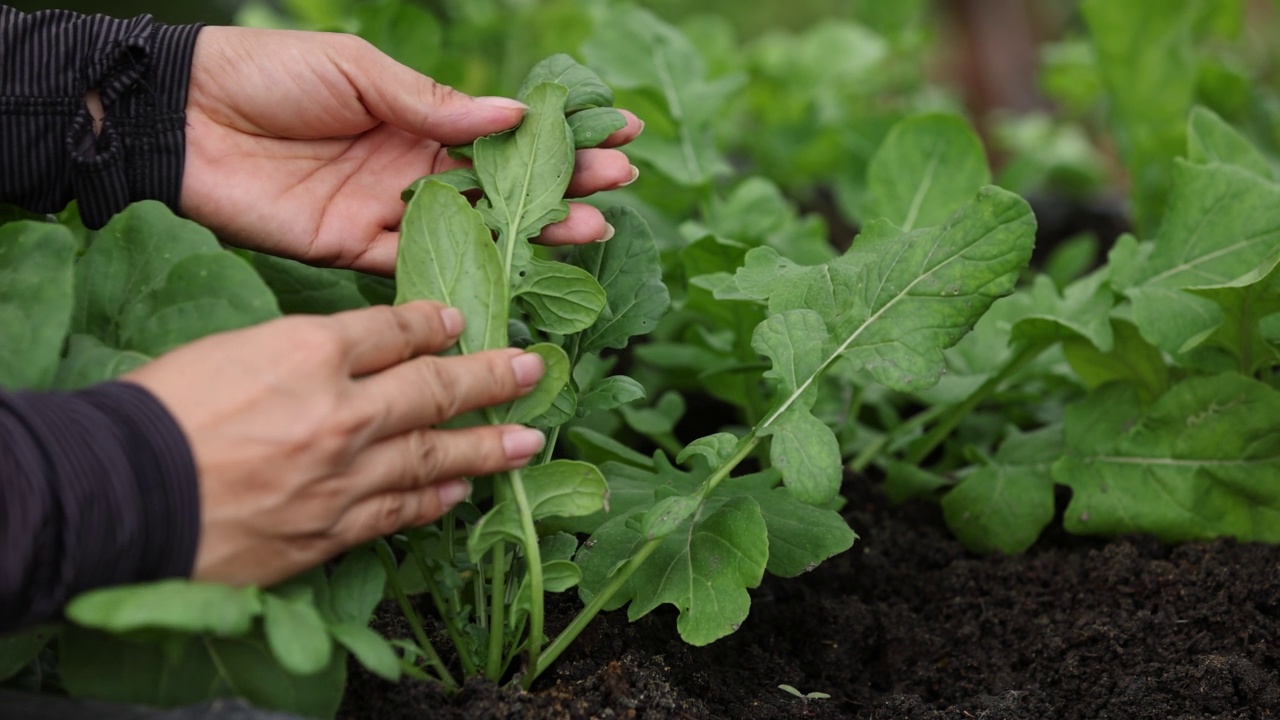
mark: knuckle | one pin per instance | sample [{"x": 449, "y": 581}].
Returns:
[
  {"x": 426, "y": 458},
  {"x": 441, "y": 395},
  {"x": 390, "y": 513},
  {"x": 314, "y": 338}
]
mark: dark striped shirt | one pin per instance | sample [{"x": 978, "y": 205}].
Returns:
[{"x": 96, "y": 487}]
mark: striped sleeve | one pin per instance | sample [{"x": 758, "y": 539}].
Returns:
[
  {"x": 97, "y": 488},
  {"x": 49, "y": 153}
]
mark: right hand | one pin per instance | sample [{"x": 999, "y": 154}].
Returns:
[{"x": 314, "y": 434}]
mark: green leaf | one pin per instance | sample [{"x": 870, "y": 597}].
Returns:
[
  {"x": 178, "y": 605},
  {"x": 905, "y": 481},
  {"x": 128, "y": 258},
  {"x": 891, "y": 305},
  {"x": 667, "y": 515},
  {"x": 803, "y": 448},
  {"x": 715, "y": 449},
  {"x": 1202, "y": 462},
  {"x": 594, "y": 126},
  {"x": 447, "y": 255},
  {"x": 1146, "y": 57},
  {"x": 1244, "y": 303},
  {"x": 1131, "y": 359},
  {"x": 1211, "y": 140},
  {"x": 1005, "y": 504},
  {"x": 584, "y": 88},
  {"x": 296, "y": 634},
  {"x": 560, "y": 488},
  {"x": 560, "y": 299},
  {"x": 404, "y": 30},
  {"x": 562, "y": 410},
  {"x": 1082, "y": 310},
  {"x": 311, "y": 290},
  {"x": 704, "y": 570},
  {"x": 801, "y": 536},
  {"x": 555, "y": 378},
  {"x": 630, "y": 271},
  {"x": 356, "y": 587},
  {"x": 18, "y": 649},
  {"x": 600, "y": 448},
  {"x": 633, "y": 49},
  {"x": 151, "y": 281},
  {"x": 89, "y": 362},
  {"x": 517, "y": 202},
  {"x": 36, "y": 298},
  {"x": 928, "y": 167},
  {"x": 201, "y": 295},
  {"x": 369, "y": 648},
  {"x": 460, "y": 179},
  {"x": 1222, "y": 223},
  {"x": 184, "y": 670},
  {"x": 914, "y": 295},
  {"x": 609, "y": 394}
]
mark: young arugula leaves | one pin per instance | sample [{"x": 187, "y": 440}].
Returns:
[{"x": 1200, "y": 463}]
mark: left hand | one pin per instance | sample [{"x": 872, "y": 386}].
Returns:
[{"x": 299, "y": 143}]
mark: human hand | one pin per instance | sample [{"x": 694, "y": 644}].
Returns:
[
  {"x": 314, "y": 434},
  {"x": 299, "y": 143}
]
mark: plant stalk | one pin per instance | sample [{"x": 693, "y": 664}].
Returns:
[
  {"x": 593, "y": 608},
  {"x": 920, "y": 449},
  {"x": 450, "y": 618},
  {"x": 533, "y": 562},
  {"x": 411, "y": 615}
]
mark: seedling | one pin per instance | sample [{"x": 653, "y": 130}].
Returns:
[{"x": 804, "y": 696}]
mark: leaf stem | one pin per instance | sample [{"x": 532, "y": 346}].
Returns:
[
  {"x": 411, "y": 615},
  {"x": 449, "y": 617},
  {"x": 497, "y": 608},
  {"x": 593, "y": 608},
  {"x": 533, "y": 562},
  {"x": 920, "y": 449}
]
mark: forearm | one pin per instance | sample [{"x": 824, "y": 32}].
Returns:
[
  {"x": 50, "y": 62},
  {"x": 96, "y": 488}
]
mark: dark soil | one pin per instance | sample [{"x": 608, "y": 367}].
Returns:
[{"x": 908, "y": 625}]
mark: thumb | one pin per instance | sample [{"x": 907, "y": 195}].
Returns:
[{"x": 413, "y": 102}]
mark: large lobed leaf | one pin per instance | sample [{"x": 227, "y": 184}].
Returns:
[
  {"x": 151, "y": 281},
  {"x": 890, "y": 305},
  {"x": 926, "y": 169},
  {"x": 1223, "y": 223},
  {"x": 1202, "y": 462}
]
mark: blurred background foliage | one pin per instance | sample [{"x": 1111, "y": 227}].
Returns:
[{"x": 812, "y": 87}]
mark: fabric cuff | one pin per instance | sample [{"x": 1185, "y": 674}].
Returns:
[{"x": 141, "y": 70}]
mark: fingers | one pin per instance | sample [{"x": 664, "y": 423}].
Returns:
[
  {"x": 597, "y": 170},
  {"x": 628, "y": 133},
  {"x": 389, "y": 512},
  {"x": 379, "y": 337},
  {"x": 411, "y": 461},
  {"x": 585, "y": 224},
  {"x": 415, "y": 103},
  {"x": 430, "y": 390}
]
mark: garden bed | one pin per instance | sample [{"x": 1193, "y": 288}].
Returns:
[{"x": 910, "y": 625}]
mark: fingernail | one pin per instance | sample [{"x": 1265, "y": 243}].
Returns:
[
  {"x": 609, "y": 230},
  {"x": 641, "y": 128},
  {"x": 503, "y": 102},
  {"x": 452, "y": 319},
  {"x": 452, "y": 492},
  {"x": 522, "y": 442},
  {"x": 635, "y": 174},
  {"x": 528, "y": 368}
]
